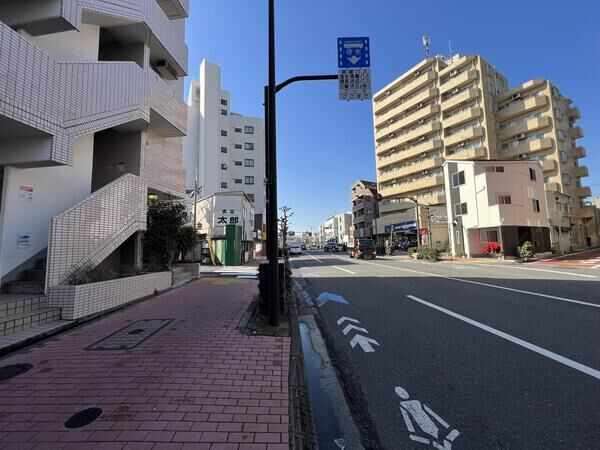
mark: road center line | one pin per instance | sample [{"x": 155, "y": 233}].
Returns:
[
  {"x": 316, "y": 259},
  {"x": 534, "y": 348},
  {"x": 478, "y": 283},
  {"x": 345, "y": 270}
]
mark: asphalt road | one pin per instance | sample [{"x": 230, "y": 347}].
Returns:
[{"x": 466, "y": 356}]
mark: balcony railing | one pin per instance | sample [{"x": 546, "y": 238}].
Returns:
[
  {"x": 575, "y": 132},
  {"x": 553, "y": 187},
  {"x": 465, "y": 96},
  {"x": 402, "y": 155},
  {"x": 549, "y": 165},
  {"x": 427, "y": 164},
  {"x": 527, "y": 148},
  {"x": 469, "y": 133},
  {"x": 583, "y": 192},
  {"x": 581, "y": 171},
  {"x": 463, "y": 116},
  {"x": 406, "y": 121},
  {"x": 407, "y": 137},
  {"x": 573, "y": 113},
  {"x": 459, "y": 80},
  {"x": 393, "y": 97},
  {"x": 520, "y": 107},
  {"x": 578, "y": 152},
  {"x": 412, "y": 186},
  {"x": 400, "y": 109},
  {"x": 525, "y": 127},
  {"x": 468, "y": 154}
]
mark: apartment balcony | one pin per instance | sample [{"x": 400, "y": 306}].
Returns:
[
  {"x": 428, "y": 146},
  {"x": 575, "y": 132},
  {"x": 578, "y": 152},
  {"x": 531, "y": 125},
  {"x": 434, "y": 199},
  {"x": 393, "y": 97},
  {"x": 581, "y": 171},
  {"x": 398, "y": 110},
  {"x": 407, "y": 137},
  {"x": 553, "y": 187},
  {"x": 465, "y": 135},
  {"x": 583, "y": 192},
  {"x": 549, "y": 165},
  {"x": 358, "y": 206},
  {"x": 417, "y": 185},
  {"x": 463, "y": 116},
  {"x": 468, "y": 154},
  {"x": 466, "y": 96},
  {"x": 521, "y": 107},
  {"x": 528, "y": 148},
  {"x": 573, "y": 113},
  {"x": 459, "y": 80},
  {"x": 428, "y": 164},
  {"x": 587, "y": 212},
  {"x": 407, "y": 121},
  {"x": 400, "y": 204},
  {"x": 456, "y": 65}
]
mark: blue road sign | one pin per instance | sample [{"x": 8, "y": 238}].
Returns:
[{"x": 354, "y": 52}]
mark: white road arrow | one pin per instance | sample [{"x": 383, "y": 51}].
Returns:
[
  {"x": 353, "y": 327},
  {"x": 364, "y": 342},
  {"x": 354, "y": 59},
  {"x": 343, "y": 319}
]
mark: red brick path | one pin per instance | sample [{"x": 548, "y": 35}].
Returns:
[{"x": 198, "y": 383}]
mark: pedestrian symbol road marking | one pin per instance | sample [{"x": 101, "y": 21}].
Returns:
[{"x": 423, "y": 424}]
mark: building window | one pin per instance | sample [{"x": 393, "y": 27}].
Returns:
[
  {"x": 238, "y": 181},
  {"x": 460, "y": 209},
  {"x": 546, "y": 179},
  {"x": 238, "y": 163},
  {"x": 251, "y": 197},
  {"x": 564, "y": 156},
  {"x": 223, "y": 102},
  {"x": 488, "y": 236},
  {"x": 223, "y": 132},
  {"x": 249, "y": 180},
  {"x": 566, "y": 178},
  {"x": 536, "y": 205},
  {"x": 532, "y": 174},
  {"x": 249, "y": 129},
  {"x": 223, "y": 149},
  {"x": 561, "y": 134},
  {"x": 503, "y": 199},
  {"x": 248, "y": 146},
  {"x": 223, "y": 166},
  {"x": 223, "y": 185},
  {"x": 249, "y": 162},
  {"x": 458, "y": 178},
  {"x": 238, "y": 146},
  {"x": 223, "y": 112},
  {"x": 499, "y": 169},
  {"x": 238, "y": 130}
]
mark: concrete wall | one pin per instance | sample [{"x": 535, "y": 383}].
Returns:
[
  {"x": 55, "y": 189},
  {"x": 115, "y": 154},
  {"x": 73, "y": 45}
]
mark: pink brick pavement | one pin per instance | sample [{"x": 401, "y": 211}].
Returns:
[{"x": 198, "y": 383}]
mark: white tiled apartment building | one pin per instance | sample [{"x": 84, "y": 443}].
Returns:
[
  {"x": 91, "y": 122},
  {"x": 223, "y": 150}
]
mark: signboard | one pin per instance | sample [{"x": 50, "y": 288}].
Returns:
[
  {"x": 26, "y": 193},
  {"x": 438, "y": 219},
  {"x": 410, "y": 225},
  {"x": 354, "y": 52},
  {"x": 23, "y": 240},
  {"x": 228, "y": 217},
  {"x": 354, "y": 73}
]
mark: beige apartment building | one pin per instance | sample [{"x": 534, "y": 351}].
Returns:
[{"x": 462, "y": 109}]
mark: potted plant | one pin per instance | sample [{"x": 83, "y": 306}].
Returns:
[{"x": 526, "y": 251}]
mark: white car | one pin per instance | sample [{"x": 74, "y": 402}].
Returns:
[
  {"x": 312, "y": 247},
  {"x": 295, "y": 250}
]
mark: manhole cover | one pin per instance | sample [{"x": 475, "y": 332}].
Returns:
[
  {"x": 83, "y": 417},
  {"x": 130, "y": 336},
  {"x": 13, "y": 370}
]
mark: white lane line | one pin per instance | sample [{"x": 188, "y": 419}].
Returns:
[
  {"x": 542, "y": 270},
  {"x": 504, "y": 288},
  {"x": 542, "y": 351},
  {"x": 316, "y": 259},
  {"x": 345, "y": 270}
]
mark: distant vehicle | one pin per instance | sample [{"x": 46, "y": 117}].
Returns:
[
  {"x": 295, "y": 250},
  {"x": 313, "y": 247},
  {"x": 330, "y": 247},
  {"x": 363, "y": 249},
  {"x": 303, "y": 246}
]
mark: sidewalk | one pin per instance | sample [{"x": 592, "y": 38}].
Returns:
[{"x": 178, "y": 376}]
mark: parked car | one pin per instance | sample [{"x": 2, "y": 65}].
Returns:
[
  {"x": 313, "y": 247},
  {"x": 330, "y": 247},
  {"x": 295, "y": 250}
]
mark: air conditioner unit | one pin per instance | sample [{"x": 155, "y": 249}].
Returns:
[
  {"x": 422, "y": 138},
  {"x": 462, "y": 143},
  {"x": 516, "y": 96},
  {"x": 421, "y": 121},
  {"x": 388, "y": 92},
  {"x": 165, "y": 70},
  {"x": 520, "y": 136},
  {"x": 426, "y": 172},
  {"x": 417, "y": 73},
  {"x": 455, "y": 90},
  {"x": 423, "y": 155},
  {"x": 453, "y": 72},
  {"x": 522, "y": 156},
  {"x": 420, "y": 105}
]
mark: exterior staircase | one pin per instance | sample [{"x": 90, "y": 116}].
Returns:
[{"x": 31, "y": 281}]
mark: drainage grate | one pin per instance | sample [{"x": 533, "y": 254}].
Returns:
[
  {"x": 14, "y": 370},
  {"x": 83, "y": 418},
  {"x": 130, "y": 336}
]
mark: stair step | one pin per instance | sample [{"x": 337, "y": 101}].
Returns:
[
  {"x": 11, "y": 341},
  {"x": 34, "y": 275},
  {"x": 25, "y": 287},
  {"x": 23, "y": 321},
  {"x": 17, "y": 304}
]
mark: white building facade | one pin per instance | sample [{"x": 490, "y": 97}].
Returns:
[
  {"x": 337, "y": 228},
  {"x": 223, "y": 151},
  {"x": 91, "y": 121},
  {"x": 501, "y": 202}
]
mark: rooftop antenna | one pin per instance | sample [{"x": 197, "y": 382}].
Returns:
[{"x": 426, "y": 42}]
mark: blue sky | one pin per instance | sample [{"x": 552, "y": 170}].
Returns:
[{"x": 324, "y": 145}]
